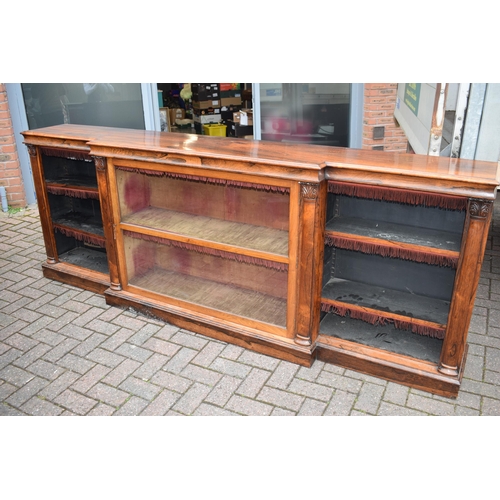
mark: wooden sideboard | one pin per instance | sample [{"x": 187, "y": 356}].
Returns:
[{"x": 364, "y": 259}]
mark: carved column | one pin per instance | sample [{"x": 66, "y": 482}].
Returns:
[
  {"x": 311, "y": 247},
  {"x": 476, "y": 229},
  {"x": 109, "y": 229},
  {"x": 43, "y": 204}
]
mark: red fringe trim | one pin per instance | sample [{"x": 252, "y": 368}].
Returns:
[
  {"x": 392, "y": 251},
  {"x": 209, "y": 180},
  {"x": 279, "y": 266},
  {"x": 91, "y": 239},
  {"x": 73, "y": 192},
  {"x": 66, "y": 153},
  {"x": 398, "y": 195},
  {"x": 373, "y": 318}
]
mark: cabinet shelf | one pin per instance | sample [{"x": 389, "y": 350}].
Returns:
[
  {"x": 73, "y": 182},
  {"x": 87, "y": 258},
  {"x": 420, "y": 311},
  {"x": 260, "y": 241}
]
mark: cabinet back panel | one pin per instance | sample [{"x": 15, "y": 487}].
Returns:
[
  {"x": 396, "y": 274},
  {"x": 398, "y": 213},
  {"x": 60, "y": 169}
]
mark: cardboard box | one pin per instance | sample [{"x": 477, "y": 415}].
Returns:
[
  {"x": 206, "y": 104},
  {"x": 204, "y": 119},
  {"x": 205, "y": 91},
  {"x": 230, "y": 93},
  {"x": 246, "y": 117},
  {"x": 229, "y": 86},
  {"x": 236, "y": 130},
  {"x": 176, "y": 114},
  {"x": 231, "y": 101},
  {"x": 208, "y": 111},
  {"x": 228, "y": 112}
]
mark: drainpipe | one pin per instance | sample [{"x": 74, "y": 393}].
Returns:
[{"x": 3, "y": 195}]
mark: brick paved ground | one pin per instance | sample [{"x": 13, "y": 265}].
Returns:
[{"x": 63, "y": 351}]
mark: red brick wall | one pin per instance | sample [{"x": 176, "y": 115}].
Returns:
[
  {"x": 380, "y": 101},
  {"x": 10, "y": 168}
]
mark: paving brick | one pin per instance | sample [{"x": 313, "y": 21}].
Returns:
[
  {"x": 9, "y": 356},
  {"x": 312, "y": 408},
  {"x": 121, "y": 372},
  {"x": 15, "y": 376},
  {"x": 147, "y": 369},
  {"x": 188, "y": 339},
  {"x": 202, "y": 375},
  {"x": 128, "y": 322},
  {"x": 207, "y": 410},
  {"x": 188, "y": 403},
  {"x": 253, "y": 383},
  {"x": 102, "y": 327},
  {"x": 76, "y": 363},
  {"x": 341, "y": 382},
  {"x": 75, "y": 306},
  {"x": 28, "y": 390},
  {"x": 110, "y": 314},
  {"x": 392, "y": 410},
  {"x": 10, "y": 325},
  {"x": 117, "y": 339},
  {"x": 232, "y": 352},
  {"x": 144, "y": 334},
  {"x": 48, "y": 337},
  {"x": 280, "y": 398},
  {"x": 76, "y": 332},
  {"x": 341, "y": 404},
  {"x": 166, "y": 332},
  {"x": 281, "y": 412},
  {"x": 428, "y": 405},
  {"x": 91, "y": 378},
  {"x": 229, "y": 367},
  {"x": 490, "y": 407},
  {"x": 8, "y": 411},
  {"x": 171, "y": 381},
  {"x": 134, "y": 352},
  {"x": 474, "y": 367},
  {"x": 32, "y": 355},
  {"x": 247, "y": 406},
  {"x": 97, "y": 301},
  {"x": 311, "y": 390},
  {"x": 492, "y": 359},
  {"x": 180, "y": 360},
  {"x": 75, "y": 402},
  {"x": 283, "y": 375},
  {"x": 45, "y": 370},
  {"x": 164, "y": 347},
  {"x": 21, "y": 342},
  {"x": 59, "y": 385},
  {"x": 35, "y": 326},
  {"x": 225, "y": 388},
  {"x": 369, "y": 398},
  {"x": 140, "y": 388},
  {"x": 87, "y": 317},
  {"x": 491, "y": 377},
  {"x": 101, "y": 410},
  {"x": 161, "y": 404},
  {"x": 6, "y": 390},
  {"x": 109, "y": 395},
  {"x": 132, "y": 407},
  {"x": 395, "y": 393},
  {"x": 39, "y": 407},
  {"x": 311, "y": 373},
  {"x": 105, "y": 357},
  {"x": 60, "y": 350},
  {"x": 207, "y": 355},
  {"x": 89, "y": 344}
]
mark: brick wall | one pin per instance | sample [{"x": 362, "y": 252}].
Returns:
[
  {"x": 10, "y": 168},
  {"x": 380, "y": 129}
]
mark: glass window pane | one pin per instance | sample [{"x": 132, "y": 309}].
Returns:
[
  {"x": 105, "y": 104},
  {"x": 311, "y": 113}
]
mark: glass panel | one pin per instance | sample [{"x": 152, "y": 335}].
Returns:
[
  {"x": 311, "y": 113},
  {"x": 211, "y": 278},
  {"x": 244, "y": 215},
  {"x": 105, "y": 104}
]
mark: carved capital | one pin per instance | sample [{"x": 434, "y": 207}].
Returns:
[
  {"x": 309, "y": 191},
  {"x": 100, "y": 163},
  {"x": 480, "y": 209},
  {"x": 31, "y": 149}
]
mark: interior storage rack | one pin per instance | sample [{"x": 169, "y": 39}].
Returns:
[{"x": 364, "y": 259}]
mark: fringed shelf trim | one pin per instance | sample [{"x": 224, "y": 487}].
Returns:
[
  {"x": 91, "y": 239},
  {"x": 74, "y": 192},
  {"x": 208, "y": 180},
  {"x": 279, "y": 266},
  {"x": 405, "y": 196},
  {"x": 70, "y": 154},
  {"x": 443, "y": 258},
  {"x": 374, "y": 317}
]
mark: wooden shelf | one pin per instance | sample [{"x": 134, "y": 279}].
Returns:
[
  {"x": 230, "y": 299},
  {"x": 385, "y": 337},
  {"x": 385, "y": 301},
  {"x": 87, "y": 258},
  {"x": 73, "y": 182},
  {"x": 79, "y": 221},
  {"x": 396, "y": 233},
  {"x": 228, "y": 235}
]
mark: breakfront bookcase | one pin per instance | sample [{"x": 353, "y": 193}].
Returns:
[{"x": 364, "y": 259}]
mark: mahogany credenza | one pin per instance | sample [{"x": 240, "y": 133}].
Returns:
[{"x": 364, "y": 259}]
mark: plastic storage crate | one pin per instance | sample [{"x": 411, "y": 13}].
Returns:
[{"x": 214, "y": 129}]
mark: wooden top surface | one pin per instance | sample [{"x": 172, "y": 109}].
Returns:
[{"x": 335, "y": 160}]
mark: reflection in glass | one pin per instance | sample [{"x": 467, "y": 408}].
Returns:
[
  {"x": 104, "y": 104},
  {"x": 311, "y": 113}
]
